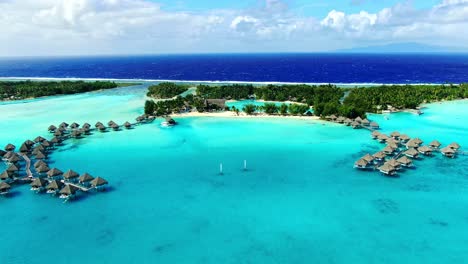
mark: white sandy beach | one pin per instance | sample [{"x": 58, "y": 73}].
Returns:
[{"x": 228, "y": 114}]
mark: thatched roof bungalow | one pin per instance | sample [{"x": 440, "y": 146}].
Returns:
[
  {"x": 39, "y": 139},
  {"x": 365, "y": 122},
  {"x": 425, "y": 150},
  {"x": 412, "y": 153},
  {"x": 358, "y": 119},
  {"x": 387, "y": 169},
  {"x": 10, "y": 147},
  {"x": 412, "y": 144},
  {"x": 5, "y": 176},
  {"x": 42, "y": 169},
  {"x": 379, "y": 156},
  {"x": 39, "y": 184},
  {"x": 54, "y": 173},
  {"x": 74, "y": 125},
  {"x": 98, "y": 183},
  {"x": 454, "y": 146},
  {"x": 127, "y": 125},
  {"x": 54, "y": 186},
  {"x": 404, "y": 138},
  {"x": 39, "y": 163},
  {"x": 405, "y": 161},
  {"x": 435, "y": 144},
  {"x": 374, "y": 125},
  {"x": 375, "y": 134},
  {"x": 388, "y": 150},
  {"x": 361, "y": 164},
  {"x": 85, "y": 178},
  {"x": 4, "y": 188},
  {"x": 68, "y": 191},
  {"x": 448, "y": 152},
  {"x": 70, "y": 175},
  {"x": 52, "y": 128},
  {"x": 395, "y": 134},
  {"x": 356, "y": 125}
]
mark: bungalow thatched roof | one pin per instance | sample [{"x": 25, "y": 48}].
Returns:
[
  {"x": 39, "y": 147},
  {"x": 365, "y": 121},
  {"x": 424, "y": 149},
  {"x": 368, "y": 158},
  {"x": 411, "y": 152},
  {"x": 86, "y": 125},
  {"x": 39, "y": 182},
  {"x": 382, "y": 137},
  {"x": 46, "y": 143},
  {"x": 12, "y": 168},
  {"x": 85, "y": 177},
  {"x": 98, "y": 181},
  {"x": 355, "y": 124},
  {"x": 24, "y": 148},
  {"x": 98, "y": 124},
  {"x": 40, "y": 155},
  {"x": 52, "y": 128},
  {"x": 374, "y": 125},
  {"x": 39, "y": 163},
  {"x": 39, "y": 139},
  {"x": 75, "y": 125},
  {"x": 395, "y": 134},
  {"x": 64, "y": 124},
  {"x": 435, "y": 144},
  {"x": 340, "y": 119},
  {"x": 358, "y": 119},
  {"x": 387, "y": 168},
  {"x": 4, "y": 186},
  {"x": 380, "y": 155},
  {"x": 333, "y": 117},
  {"x": 14, "y": 159},
  {"x": 127, "y": 124},
  {"x": 454, "y": 146},
  {"x": 448, "y": 150},
  {"x": 404, "y": 137},
  {"x": 110, "y": 123},
  {"x": 393, "y": 163},
  {"x": 70, "y": 174},
  {"x": 418, "y": 141},
  {"x": 29, "y": 143},
  {"x": 58, "y": 133},
  {"x": 2, "y": 153},
  {"x": 54, "y": 185},
  {"x": 43, "y": 169},
  {"x": 405, "y": 160},
  {"x": 4, "y": 175},
  {"x": 388, "y": 149},
  {"x": 55, "y": 140},
  {"x": 10, "y": 147},
  {"x": 376, "y": 133},
  {"x": 54, "y": 172},
  {"x": 68, "y": 190},
  {"x": 412, "y": 144},
  {"x": 361, "y": 163}
]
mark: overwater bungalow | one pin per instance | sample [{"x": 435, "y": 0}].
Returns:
[
  {"x": 2, "y": 153},
  {"x": 37, "y": 151},
  {"x": 448, "y": 152},
  {"x": 54, "y": 173},
  {"x": 43, "y": 169},
  {"x": 70, "y": 176},
  {"x": 404, "y": 138},
  {"x": 76, "y": 133},
  {"x": 340, "y": 120},
  {"x": 46, "y": 144},
  {"x": 170, "y": 121},
  {"x": 39, "y": 185},
  {"x": 418, "y": 141},
  {"x": 348, "y": 122},
  {"x": 39, "y": 163},
  {"x": 394, "y": 163},
  {"x": 361, "y": 164},
  {"x": 375, "y": 134},
  {"x": 39, "y": 147},
  {"x": 62, "y": 129},
  {"x": 24, "y": 148},
  {"x": 12, "y": 169},
  {"x": 387, "y": 169},
  {"x": 14, "y": 159},
  {"x": 102, "y": 128},
  {"x": 425, "y": 150},
  {"x": 374, "y": 125},
  {"x": 29, "y": 143},
  {"x": 98, "y": 124},
  {"x": 74, "y": 125},
  {"x": 54, "y": 187},
  {"x": 127, "y": 125},
  {"x": 365, "y": 122},
  {"x": 68, "y": 192},
  {"x": 115, "y": 127},
  {"x": 98, "y": 183},
  {"x": 40, "y": 156},
  {"x": 356, "y": 125},
  {"x": 388, "y": 150},
  {"x": 64, "y": 125},
  {"x": 8, "y": 155},
  {"x": 5, "y": 176},
  {"x": 58, "y": 133},
  {"x": 380, "y": 156},
  {"x": 4, "y": 188},
  {"x": 86, "y": 130},
  {"x": 110, "y": 123},
  {"x": 150, "y": 119},
  {"x": 395, "y": 134},
  {"x": 412, "y": 153},
  {"x": 435, "y": 144},
  {"x": 392, "y": 145},
  {"x": 86, "y": 125},
  {"x": 56, "y": 141},
  {"x": 405, "y": 161},
  {"x": 368, "y": 158},
  {"x": 455, "y": 146},
  {"x": 52, "y": 128},
  {"x": 358, "y": 119},
  {"x": 85, "y": 179},
  {"x": 10, "y": 147},
  {"x": 382, "y": 138},
  {"x": 140, "y": 119},
  {"x": 412, "y": 144},
  {"x": 39, "y": 139}
]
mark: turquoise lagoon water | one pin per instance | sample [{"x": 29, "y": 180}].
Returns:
[{"x": 300, "y": 201}]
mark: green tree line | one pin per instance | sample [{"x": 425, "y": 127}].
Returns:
[{"x": 166, "y": 90}]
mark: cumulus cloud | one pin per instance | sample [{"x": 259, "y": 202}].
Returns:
[{"x": 37, "y": 27}]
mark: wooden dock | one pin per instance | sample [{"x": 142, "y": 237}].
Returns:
[
  {"x": 80, "y": 187},
  {"x": 28, "y": 164}
]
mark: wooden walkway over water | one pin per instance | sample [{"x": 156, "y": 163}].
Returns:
[
  {"x": 28, "y": 164},
  {"x": 80, "y": 187}
]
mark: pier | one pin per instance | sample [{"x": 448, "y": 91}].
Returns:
[{"x": 28, "y": 165}]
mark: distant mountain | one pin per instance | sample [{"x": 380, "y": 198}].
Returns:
[{"x": 404, "y": 48}]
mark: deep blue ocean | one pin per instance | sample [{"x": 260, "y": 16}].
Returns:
[{"x": 298, "y": 68}]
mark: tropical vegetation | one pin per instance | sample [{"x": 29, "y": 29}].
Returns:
[{"x": 166, "y": 90}]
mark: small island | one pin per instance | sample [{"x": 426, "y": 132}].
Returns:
[
  {"x": 20, "y": 90},
  {"x": 297, "y": 100}
]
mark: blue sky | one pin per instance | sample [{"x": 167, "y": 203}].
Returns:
[{"x": 89, "y": 27}]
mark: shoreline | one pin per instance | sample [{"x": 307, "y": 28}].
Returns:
[{"x": 229, "y": 114}]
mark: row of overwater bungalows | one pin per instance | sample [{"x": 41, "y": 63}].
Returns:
[{"x": 399, "y": 152}]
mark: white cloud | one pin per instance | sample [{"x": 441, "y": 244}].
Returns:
[{"x": 36, "y": 27}]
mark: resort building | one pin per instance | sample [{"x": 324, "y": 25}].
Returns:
[
  {"x": 435, "y": 144},
  {"x": 39, "y": 184},
  {"x": 68, "y": 192},
  {"x": 380, "y": 156},
  {"x": 405, "y": 161},
  {"x": 448, "y": 152},
  {"x": 70, "y": 176},
  {"x": 455, "y": 146},
  {"x": 4, "y": 188},
  {"x": 387, "y": 169},
  {"x": 425, "y": 150},
  {"x": 361, "y": 164},
  {"x": 54, "y": 187},
  {"x": 412, "y": 153}
]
